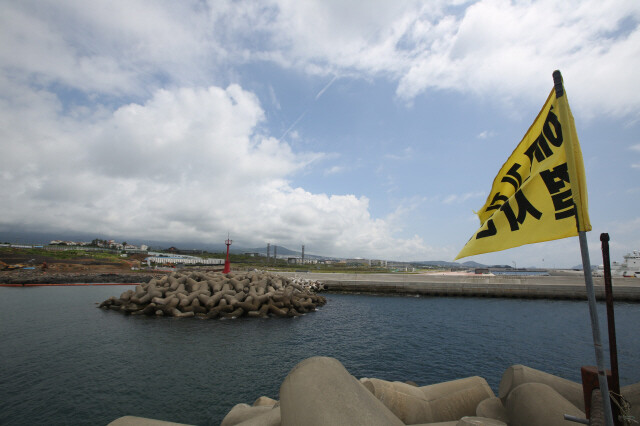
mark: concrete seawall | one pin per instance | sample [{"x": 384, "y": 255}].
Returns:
[{"x": 529, "y": 287}]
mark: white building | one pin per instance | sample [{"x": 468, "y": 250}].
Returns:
[{"x": 183, "y": 260}]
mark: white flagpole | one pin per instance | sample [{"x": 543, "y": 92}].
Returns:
[{"x": 588, "y": 280}]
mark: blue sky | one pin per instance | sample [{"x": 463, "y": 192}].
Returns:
[{"x": 360, "y": 129}]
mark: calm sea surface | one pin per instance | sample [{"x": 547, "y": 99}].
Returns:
[{"x": 65, "y": 362}]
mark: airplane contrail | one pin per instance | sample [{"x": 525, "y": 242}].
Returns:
[
  {"x": 320, "y": 93},
  {"x": 324, "y": 89}
]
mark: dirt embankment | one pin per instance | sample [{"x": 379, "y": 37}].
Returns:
[
  {"x": 40, "y": 277},
  {"x": 19, "y": 267},
  {"x": 26, "y": 268}
]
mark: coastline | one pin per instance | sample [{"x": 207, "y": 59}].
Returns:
[{"x": 568, "y": 286}]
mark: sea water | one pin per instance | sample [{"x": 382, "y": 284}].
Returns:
[{"x": 66, "y": 362}]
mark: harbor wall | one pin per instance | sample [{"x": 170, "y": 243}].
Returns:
[{"x": 532, "y": 287}]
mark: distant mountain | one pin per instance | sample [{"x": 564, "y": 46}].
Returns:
[
  {"x": 579, "y": 267},
  {"x": 472, "y": 264},
  {"x": 445, "y": 264}
]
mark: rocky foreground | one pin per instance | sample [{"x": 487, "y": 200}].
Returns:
[
  {"x": 213, "y": 295},
  {"x": 320, "y": 391}
]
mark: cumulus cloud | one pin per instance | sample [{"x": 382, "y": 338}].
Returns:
[
  {"x": 186, "y": 165},
  {"x": 445, "y": 46},
  {"x": 137, "y": 46},
  {"x": 112, "y": 47}
]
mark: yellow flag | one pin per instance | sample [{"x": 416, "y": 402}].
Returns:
[{"x": 540, "y": 193}]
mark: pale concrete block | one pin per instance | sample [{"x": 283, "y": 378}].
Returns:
[
  {"x": 479, "y": 421},
  {"x": 243, "y": 412},
  {"x": 141, "y": 421},
  {"x": 320, "y": 391},
  {"x": 439, "y": 390},
  {"x": 632, "y": 394},
  {"x": 264, "y": 401},
  {"x": 270, "y": 418},
  {"x": 405, "y": 401},
  {"x": 516, "y": 375},
  {"x": 538, "y": 404},
  {"x": 493, "y": 409},
  {"x": 441, "y": 402},
  {"x": 461, "y": 403}
]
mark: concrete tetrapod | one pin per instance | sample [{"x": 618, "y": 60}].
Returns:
[
  {"x": 407, "y": 402},
  {"x": 320, "y": 391},
  {"x": 492, "y": 408},
  {"x": 244, "y": 412},
  {"x": 538, "y": 404},
  {"x": 632, "y": 394},
  {"x": 264, "y": 401},
  {"x": 479, "y": 421},
  {"x": 269, "y": 418},
  {"x": 448, "y": 401},
  {"x": 516, "y": 375},
  {"x": 141, "y": 421},
  {"x": 213, "y": 295},
  {"x": 457, "y": 398}
]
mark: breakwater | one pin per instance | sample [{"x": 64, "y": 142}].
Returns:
[
  {"x": 214, "y": 295},
  {"x": 533, "y": 287}
]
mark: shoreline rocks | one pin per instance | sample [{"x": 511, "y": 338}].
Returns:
[
  {"x": 215, "y": 295},
  {"x": 320, "y": 391}
]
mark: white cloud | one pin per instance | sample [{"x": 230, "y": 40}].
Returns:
[
  {"x": 635, "y": 147},
  {"x": 115, "y": 48},
  {"x": 460, "y": 198},
  {"x": 134, "y": 47},
  {"x": 485, "y": 134},
  {"x": 186, "y": 165},
  {"x": 405, "y": 154},
  {"x": 334, "y": 170},
  {"x": 437, "y": 46},
  {"x": 476, "y": 55}
]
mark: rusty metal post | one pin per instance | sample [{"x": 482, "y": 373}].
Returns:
[{"x": 611, "y": 322}]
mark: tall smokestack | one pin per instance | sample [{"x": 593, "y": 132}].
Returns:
[
  {"x": 268, "y": 251},
  {"x": 303, "y": 254},
  {"x": 275, "y": 254}
]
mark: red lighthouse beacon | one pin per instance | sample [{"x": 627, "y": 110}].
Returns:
[{"x": 227, "y": 264}]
